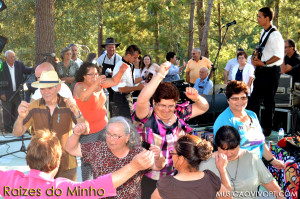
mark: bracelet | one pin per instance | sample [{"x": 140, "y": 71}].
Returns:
[
  {"x": 79, "y": 116},
  {"x": 161, "y": 75},
  {"x": 198, "y": 99},
  {"x": 270, "y": 160}
]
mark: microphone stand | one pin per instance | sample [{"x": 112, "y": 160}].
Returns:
[{"x": 213, "y": 68}]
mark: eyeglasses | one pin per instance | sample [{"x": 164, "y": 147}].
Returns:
[
  {"x": 165, "y": 106},
  {"x": 287, "y": 46},
  {"x": 244, "y": 98},
  {"x": 113, "y": 137},
  {"x": 92, "y": 74}
]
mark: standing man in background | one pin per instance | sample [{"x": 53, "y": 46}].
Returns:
[
  {"x": 174, "y": 70},
  {"x": 194, "y": 65},
  {"x": 12, "y": 73},
  {"x": 267, "y": 72},
  {"x": 75, "y": 58}
]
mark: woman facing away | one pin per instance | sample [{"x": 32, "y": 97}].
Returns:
[{"x": 189, "y": 182}]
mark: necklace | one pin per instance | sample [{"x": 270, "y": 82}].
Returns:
[
  {"x": 169, "y": 121},
  {"x": 232, "y": 180}
]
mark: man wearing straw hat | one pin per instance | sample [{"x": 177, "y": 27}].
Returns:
[{"x": 51, "y": 112}]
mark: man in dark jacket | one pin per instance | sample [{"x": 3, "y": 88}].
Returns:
[{"x": 12, "y": 75}]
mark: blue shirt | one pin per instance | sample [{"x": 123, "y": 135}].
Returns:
[
  {"x": 204, "y": 86},
  {"x": 173, "y": 74},
  {"x": 252, "y": 137}
]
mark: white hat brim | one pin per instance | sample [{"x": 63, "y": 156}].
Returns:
[{"x": 37, "y": 84}]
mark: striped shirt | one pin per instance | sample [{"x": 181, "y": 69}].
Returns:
[{"x": 154, "y": 131}]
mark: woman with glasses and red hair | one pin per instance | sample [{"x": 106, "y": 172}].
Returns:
[
  {"x": 165, "y": 121},
  {"x": 245, "y": 121}
]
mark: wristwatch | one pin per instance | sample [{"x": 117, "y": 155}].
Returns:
[{"x": 265, "y": 64}]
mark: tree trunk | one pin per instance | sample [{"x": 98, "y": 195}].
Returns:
[
  {"x": 44, "y": 30},
  {"x": 156, "y": 34},
  {"x": 204, "y": 43},
  {"x": 276, "y": 14},
  {"x": 100, "y": 27},
  {"x": 191, "y": 29},
  {"x": 200, "y": 17}
]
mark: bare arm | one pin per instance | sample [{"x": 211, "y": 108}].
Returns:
[
  {"x": 221, "y": 164},
  {"x": 187, "y": 75},
  {"x": 274, "y": 188},
  {"x": 115, "y": 80},
  {"x": 159, "y": 159},
  {"x": 142, "y": 104},
  {"x": 19, "y": 129},
  {"x": 268, "y": 156},
  {"x": 226, "y": 76},
  {"x": 200, "y": 106},
  {"x": 155, "y": 194},
  {"x": 250, "y": 82},
  {"x": 141, "y": 161},
  {"x": 257, "y": 62}
]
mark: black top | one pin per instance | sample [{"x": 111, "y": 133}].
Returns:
[{"x": 293, "y": 61}]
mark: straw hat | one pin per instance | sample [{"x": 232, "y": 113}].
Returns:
[{"x": 47, "y": 79}]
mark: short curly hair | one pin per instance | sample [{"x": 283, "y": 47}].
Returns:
[
  {"x": 83, "y": 70},
  {"x": 63, "y": 51},
  {"x": 166, "y": 90},
  {"x": 193, "y": 149},
  {"x": 235, "y": 87}
]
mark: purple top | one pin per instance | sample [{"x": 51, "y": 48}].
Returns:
[{"x": 154, "y": 131}]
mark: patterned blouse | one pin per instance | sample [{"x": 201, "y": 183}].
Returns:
[
  {"x": 154, "y": 131},
  {"x": 103, "y": 162},
  {"x": 69, "y": 71}
]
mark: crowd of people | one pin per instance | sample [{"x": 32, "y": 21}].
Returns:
[{"x": 147, "y": 149}]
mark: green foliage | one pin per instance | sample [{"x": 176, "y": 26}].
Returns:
[{"x": 134, "y": 22}]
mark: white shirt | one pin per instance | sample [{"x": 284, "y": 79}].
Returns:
[
  {"x": 78, "y": 61},
  {"x": 273, "y": 47},
  {"x": 12, "y": 75},
  {"x": 248, "y": 72},
  {"x": 110, "y": 61},
  {"x": 230, "y": 64},
  {"x": 127, "y": 78},
  {"x": 64, "y": 92}
]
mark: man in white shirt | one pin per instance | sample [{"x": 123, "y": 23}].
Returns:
[
  {"x": 46, "y": 66},
  {"x": 267, "y": 72},
  {"x": 123, "y": 91},
  {"x": 12, "y": 75},
  {"x": 75, "y": 54}
]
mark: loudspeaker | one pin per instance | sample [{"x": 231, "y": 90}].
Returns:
[
  {"x": 3, "y": 41},
  {"x": 207, "y": 118},
  {"x": 283, "y": 96}
]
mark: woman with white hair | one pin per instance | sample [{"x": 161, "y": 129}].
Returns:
[{"x": 121, "y": 145}]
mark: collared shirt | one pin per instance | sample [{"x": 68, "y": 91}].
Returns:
[
  {"x": 194, "y": 67},
  {"x": 127, "y": 79},
  {"x": 154, "y": 131},
  {"x": 107, "y": 60},
  {"x": 173, "y": 74},
  {"x": 204, "y": 86},
  {"x": 273, "y": 47},
  {"x": 12, "y": 75},
  {"x": 64, "y": 91},
  {"x": 60, "y": 122},
  {"x": 229, "y": 66},
  {"x": 37, "y": 183},
  {"x": 78, "y": 61}
]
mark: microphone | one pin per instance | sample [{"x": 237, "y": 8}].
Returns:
[
  {"x": 49, "y": 54},
  {"x": 229, "y": 24}
]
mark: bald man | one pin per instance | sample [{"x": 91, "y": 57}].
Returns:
[
  {"x": 46, "y": 66},
  {"x": 202, "y": 85}
]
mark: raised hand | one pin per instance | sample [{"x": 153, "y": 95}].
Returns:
[
  {"x": 156, "y": 150},
  {"x": 80, "y": 129},
  {"x": 164, "y": 68},
  {"x": 221, "y": 161},
  {"x": 23, "y": 109},
  {"x": 191, "y": 93},
  {"x": 143, "y": 160}
]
